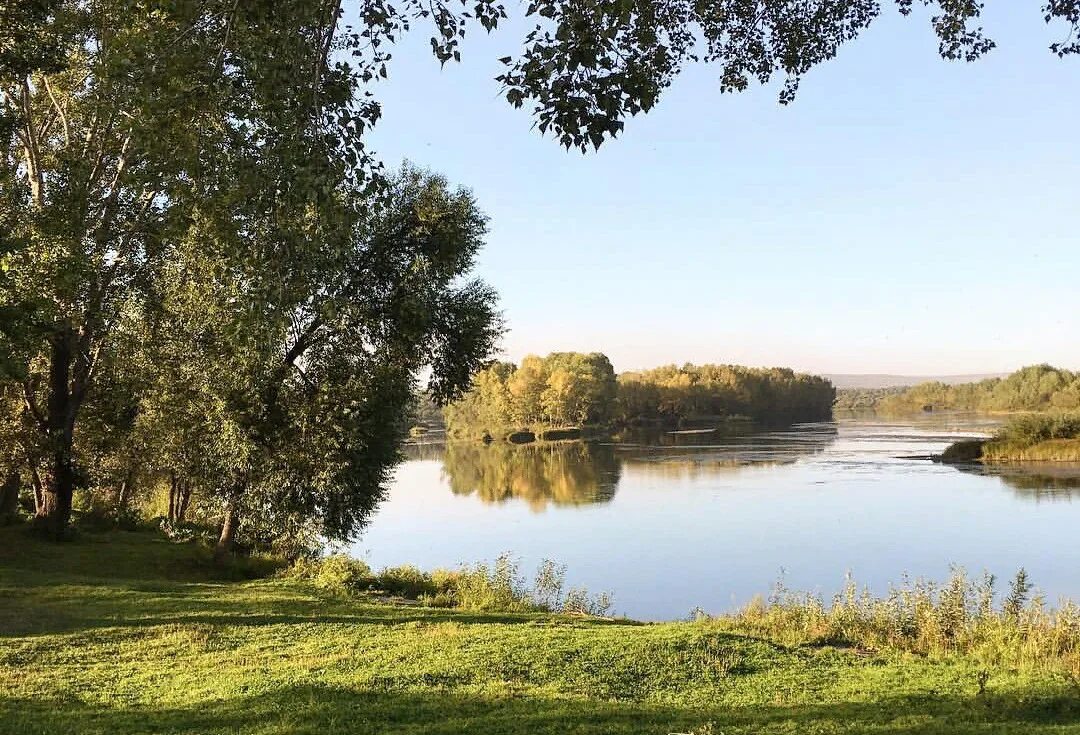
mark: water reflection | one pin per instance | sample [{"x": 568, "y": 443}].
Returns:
[
  {"x": 1036, "y": 481},
  {"x": 582, "y": 473},
  {"x": 538, "y": 474},
  {"x": 680, "y": 456}
]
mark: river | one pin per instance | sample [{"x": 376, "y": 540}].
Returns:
[{"x": 677, "y": 523}]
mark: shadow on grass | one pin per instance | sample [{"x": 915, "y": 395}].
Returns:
[
  {"x": 327, "y": 710},
  {"x": 46, "y": 609},
  {"x": 140, "y": 579}
]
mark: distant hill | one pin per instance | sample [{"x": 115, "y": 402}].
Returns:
[{"x": 842, "y": 381}]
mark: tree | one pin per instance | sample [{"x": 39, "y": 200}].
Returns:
[
  {"x": 311, "y": 387},
  {"x": 110, "y": 154}
]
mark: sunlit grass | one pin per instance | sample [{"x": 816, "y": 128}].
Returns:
[{"x": 129, "y": 633}]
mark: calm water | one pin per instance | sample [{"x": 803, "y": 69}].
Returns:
[{"x": 689, "y": 521}]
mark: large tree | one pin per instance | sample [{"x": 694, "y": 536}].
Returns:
[
  {"x": 285, "y": 402},
  {"x": 154, "y": 111}
]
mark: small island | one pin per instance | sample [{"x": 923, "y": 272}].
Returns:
[
  {"x": 574, "y": 395},
  {"x": 1027, "y": 438}
]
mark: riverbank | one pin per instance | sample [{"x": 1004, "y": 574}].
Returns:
[
  {"x": 127, "y": 632},
  {"x": 550, "y": 433}
]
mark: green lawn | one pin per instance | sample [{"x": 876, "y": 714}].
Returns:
[{"x": 126, "y": 633}]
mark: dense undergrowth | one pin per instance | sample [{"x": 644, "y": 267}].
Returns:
[{"x": 132, "y": 633}]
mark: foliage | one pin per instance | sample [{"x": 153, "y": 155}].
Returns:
[
  {"x": 968, "y": 450},
  {"x": 317, "y": 406},
  {"x": 568, "y": 387},
  {"x": 163, "y": 126},
  {"x": 1032, "y": 429},
  {"x": 674, "y": 395},
  {"x": 203, "y": 267},
  {"x": 498, "y": 587},
  {"x": 588, "y": 66},
  {"x": 1034, "y": 388},
  {"x": 127, "y": 633},
  {"x": 334, "y": 573},
  {"x": 863, "y": 399},
  {"x": 407, "y": 581},
  {"x": 564, "y": 388}
]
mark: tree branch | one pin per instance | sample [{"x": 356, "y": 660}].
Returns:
[
  {"x": 33, "y": 154},
  {"x": 59, "y": 110},
  {"x": 31, "y": 405}
]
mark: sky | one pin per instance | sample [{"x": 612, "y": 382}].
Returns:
[{"x": 904, "y": 215}]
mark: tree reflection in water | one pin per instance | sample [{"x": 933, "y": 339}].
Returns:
[
  {"x": 1035, "y": 481},
  {"x": 582, "y": 473},
  {"x": 568, "y": 473}
]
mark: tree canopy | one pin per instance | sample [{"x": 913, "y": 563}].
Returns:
[
  {"x": 578, "y": 389},
  {"x": 1033, "y": 388}
]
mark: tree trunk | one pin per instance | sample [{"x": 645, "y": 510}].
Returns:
[
  {"x": 39, "y": 491},
  {"x": 55, "y": 510},
  {"x": 173, "y": 497},
  {"x": 224, "y": 547},
  {"x": 185, "y": 499},
  {"x": 9, "y": 499},
  {"x": 123, "y": 499}
]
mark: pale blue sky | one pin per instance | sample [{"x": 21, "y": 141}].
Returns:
[{"x": 904, "y": 215}]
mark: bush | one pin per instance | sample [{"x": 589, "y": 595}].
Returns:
[
  {"x": 1034, "y": 428},
  {"x": 336, "y": 573},
  {"x": 406, "y": 581},
  {"x": 501, "y": 588},
  {"x": 964, "y": 451},
  {"x": 494, "y": 588}
]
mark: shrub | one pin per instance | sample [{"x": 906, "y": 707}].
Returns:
[
  {"x": 406, "y": 581},
  {"x": 495, "y": 588},
  {"x": 501, "y": 588},
  {"x": 336, "y": 573},
  {"x": 964, "y": 451}
]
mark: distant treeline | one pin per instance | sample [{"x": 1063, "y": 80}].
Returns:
[
  {"x": 1035, "y": 388},
  {"x": 577, "y": 389},
  {"x": 862, "y": 399},
  {"x": 673, "y": 395}
]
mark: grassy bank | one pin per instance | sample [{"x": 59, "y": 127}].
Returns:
[{"x": 126, "y": 633}]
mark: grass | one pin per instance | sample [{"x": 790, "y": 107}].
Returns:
[{"x": 130, "y": 633}]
